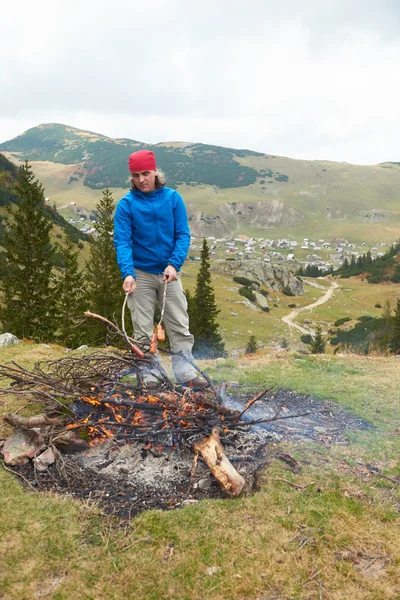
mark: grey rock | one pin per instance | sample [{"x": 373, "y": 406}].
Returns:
[
  {"x": 261, "y": 300},
  {"x": 274, "y": 277},
  {"x": 273, "y": 213},
  {"x": 8, "y": 339},
  {"x": 203, "y": 484},
  {"x": 44, "y": 460},
  {"x": 22, "y": 445},
  {"x": 84, "y": 347}
]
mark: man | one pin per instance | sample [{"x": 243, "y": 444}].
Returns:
[{"x": 152, "y": 238}]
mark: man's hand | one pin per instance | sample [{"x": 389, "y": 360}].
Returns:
[
  {"x": 169, "y": 274},
  {"x": 129, "y": 285}
]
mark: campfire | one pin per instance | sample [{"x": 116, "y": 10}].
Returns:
[
  {"x": 88, "y": 402},
  {"x": 99, "y": 415}
]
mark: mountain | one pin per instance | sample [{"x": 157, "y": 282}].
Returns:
[
  {"x": 8, "y": 196},
  {"x": 227, "y": 191},
  {"x": 103, "y": 159}
]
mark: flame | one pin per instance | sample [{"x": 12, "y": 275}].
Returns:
[
  {"x": 107, "y": 417},
  {"x": 117, "y": 416},
  {"x": 78, "y": 424},
  {"x": 92, "y": 401},
  {"x": 152, "y": 399},
  {"x": 107, "y": 432},
  {"x": 137, "y": 417}
]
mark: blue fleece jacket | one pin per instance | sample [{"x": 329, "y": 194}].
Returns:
[{"x": 151, "y": 231}]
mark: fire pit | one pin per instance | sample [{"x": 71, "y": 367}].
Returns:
[{"x": 106, "y": 437}]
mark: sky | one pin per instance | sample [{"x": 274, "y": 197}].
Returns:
[{"x": 309, "y": 79}]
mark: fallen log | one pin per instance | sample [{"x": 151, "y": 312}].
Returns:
[{"x": 212, "y": 452}]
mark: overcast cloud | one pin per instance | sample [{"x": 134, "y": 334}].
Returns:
[{"x": 316, "y": 79}]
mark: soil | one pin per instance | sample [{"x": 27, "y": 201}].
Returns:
[{"x": 126, "y": 479}]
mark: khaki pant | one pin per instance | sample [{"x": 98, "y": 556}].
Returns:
[{"x": 149, "y": 290}]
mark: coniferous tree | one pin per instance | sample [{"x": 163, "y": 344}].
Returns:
[
  {"x": 395, "y": 337},
  {"x": 191, "y": 308},
  {"x": 71, "y": 298},
  {"x": 251, "y": 346},
  {"x": 203, "y": 324},
  {"x": 28, "y": 301},
  {"x": 387, "y": 313},
  {"x": 317, "y": 345},
  {"x": 104, "y": 294}
]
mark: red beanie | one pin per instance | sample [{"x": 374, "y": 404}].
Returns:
[{"x": 144, "y": 160}]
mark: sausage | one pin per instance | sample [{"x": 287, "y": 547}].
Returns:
[
  {"x": 137, "y": 351},
  {"x": 153, "y": 344},
  {"x": 160, "y": 333}
]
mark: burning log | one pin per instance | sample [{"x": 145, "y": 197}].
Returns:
[{"x": 211, "y": 451}]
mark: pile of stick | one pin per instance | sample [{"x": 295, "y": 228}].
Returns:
[{"x": 87, "y": 395}]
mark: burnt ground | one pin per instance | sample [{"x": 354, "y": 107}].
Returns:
[{"x": 126, "y": 479}]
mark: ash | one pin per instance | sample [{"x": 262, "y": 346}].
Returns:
[
  {"x": 129, "y": 478},
  {"x": 168, "y": 470}
]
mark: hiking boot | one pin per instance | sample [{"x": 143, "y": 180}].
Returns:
[
  {"x": 150, "y": 382},
  {"x": 151, "y": 385},
  {"x": 197, "y": 383}
]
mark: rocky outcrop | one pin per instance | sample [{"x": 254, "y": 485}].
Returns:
[
  {"x": 376, "y": 215},
  {"x": 232, "y": 216},
  {"x": 274, "y": 277}
]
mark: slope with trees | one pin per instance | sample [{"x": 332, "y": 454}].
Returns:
[
  {"x": 104, "y": 159},
  {"x": 71, "y": 298},
  {"x": 28, "y": 302},
  {"x": 9, "y": 196},
  {"x": 382, "y": 268}
]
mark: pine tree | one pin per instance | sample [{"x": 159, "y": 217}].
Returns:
[
  {"x": 105, "y": 294},
  {"x": 203, "y": 323},
  {"x": 251, "y": 346},
  {"x": 317, "y": 345},
  {"x": 395, "y": 338},
  {"x": 28, "y": 301},
  {"x": 71, "y": 298}
]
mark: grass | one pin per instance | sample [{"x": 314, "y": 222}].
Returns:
[
  {"x": 354, "y": 298},
  {"x": 333, "y": 536}
]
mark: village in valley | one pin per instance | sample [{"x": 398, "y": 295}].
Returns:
[
  {"x": 321, "y": 253},
  {"x": 325, "y": 254}
]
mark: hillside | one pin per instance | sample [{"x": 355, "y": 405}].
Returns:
[
  {"x": 8, "y": 196},
  {"x": 227, "y": 191},
  {"x": 103, "y": 160}
]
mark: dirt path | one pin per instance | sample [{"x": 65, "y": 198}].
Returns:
[{"x": 288, "y": 319}]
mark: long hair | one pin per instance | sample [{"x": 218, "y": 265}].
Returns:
[{"x": 159, "y": 181}]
